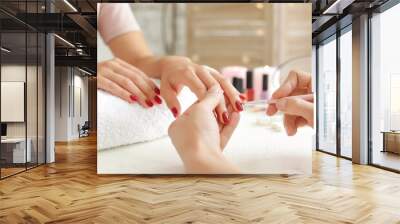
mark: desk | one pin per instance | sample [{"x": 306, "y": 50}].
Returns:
[
  {"x": 391, "y": 141},
  {"x": 15, "y": 148}
]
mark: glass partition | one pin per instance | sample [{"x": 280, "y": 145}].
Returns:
[
  {"x": 22, "y": 91},
  {"x": 13, "y": 94}
]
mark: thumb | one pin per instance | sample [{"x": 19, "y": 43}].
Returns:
[
  {"x": 296, "y": 106},
  {"x": 213, "y": 97}
]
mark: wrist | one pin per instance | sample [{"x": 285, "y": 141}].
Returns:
[
  {"x": 197, "y": 151},
  {"x": 149, "y": 65},
  {"x": 202, "y": 159},
  {"x": 166, "y": 61}
]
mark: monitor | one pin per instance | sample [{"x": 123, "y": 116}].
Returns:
[{"x": 3, "y": 129}]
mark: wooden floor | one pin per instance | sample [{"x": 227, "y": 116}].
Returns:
[{"x": 70, "y": 191}]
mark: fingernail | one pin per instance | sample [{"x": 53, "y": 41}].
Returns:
[
  {"x": 242, "y": 97},
  {"x": 133, "y": 98},
  {"x": 157, "y": 90},
  {"x": 157, "y": 99},
  {"x": 174, "y": 111},
  {"x": 272, "y": 101},
  {"x": 149, "y": 103},
  {"x": 225, "y": 117},
  {"x": 239, "y": 105}
]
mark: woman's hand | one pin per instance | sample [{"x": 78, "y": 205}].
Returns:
[
  {"x": 199, "y": 139},
  {"x": 123, "y": 80},
  {"x": 295, "y": 99},
  {"x": 176, "y": 72}
]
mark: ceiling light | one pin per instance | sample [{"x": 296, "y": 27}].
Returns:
[
  {"x": 5, "y": 50},
  {"x": 70, "y": 5},
  {"x": 84, "y": 71},
  {"x": 337, "y": 7},
  {"x": 65, "y": 41}
]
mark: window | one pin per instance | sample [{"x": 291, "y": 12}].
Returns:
[
  {"x": 346, "y": 93},
  {"x": 385, "y": 89},
  {"x": 327, "y": 96}
]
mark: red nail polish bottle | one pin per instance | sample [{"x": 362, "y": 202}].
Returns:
[{"x": 249, "y": 85}]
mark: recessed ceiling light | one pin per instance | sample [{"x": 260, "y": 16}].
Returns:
[
  {"x": 84, "y": 71},
  {"x": 64, "y": 40},
  {"x": 5, "y": 50},
  {"x": 70, "y": 5}
]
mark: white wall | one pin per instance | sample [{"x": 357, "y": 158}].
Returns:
[
  {"x": 12, "y": 73},
  {"x": 34, "y": 126},
  {"x": 68, "y": 81}
]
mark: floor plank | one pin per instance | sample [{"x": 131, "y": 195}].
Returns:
[{"x": 70, "y": 191}]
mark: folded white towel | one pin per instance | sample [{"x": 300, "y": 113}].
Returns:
[{"x": 120, "y": 123}]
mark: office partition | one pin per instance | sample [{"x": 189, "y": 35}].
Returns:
[{"x": 22, "y": 77}]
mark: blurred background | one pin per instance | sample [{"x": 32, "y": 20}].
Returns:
[{"x": 233, "y": 38}]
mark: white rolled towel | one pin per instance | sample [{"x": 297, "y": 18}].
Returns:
[{"x": 120, "y": 123}]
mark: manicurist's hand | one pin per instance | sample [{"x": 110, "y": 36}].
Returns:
[
  {"x": 199, "y": 139},
  {"x": 124, "y": 80},
  {"x": 176, "y": 72},
  {"x": 295, "y": 99}
]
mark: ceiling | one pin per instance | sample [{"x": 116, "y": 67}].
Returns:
[
  {"x": 75, "y": 21},
  {"x": 77, "y": 25}
]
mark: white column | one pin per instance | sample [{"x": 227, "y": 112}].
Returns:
[
  {"x": 50, "y": 99},
  {"x": 360, "y": 90}
]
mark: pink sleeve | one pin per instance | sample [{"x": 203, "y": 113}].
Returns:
[{"x": 114, "y": 19}]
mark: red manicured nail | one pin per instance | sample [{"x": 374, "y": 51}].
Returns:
[
  {"x": 158, "y": 100},
  {"x": 157, "y": 90},
  {"x": 239, "y": 105},
  {"x": 133, "y": 98},
  {"x": 225, "y": 117},
  {"x": 149, "y": 103},
  {"x": 242, "y": 97},
  {"x": 174, "y": 111}
]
